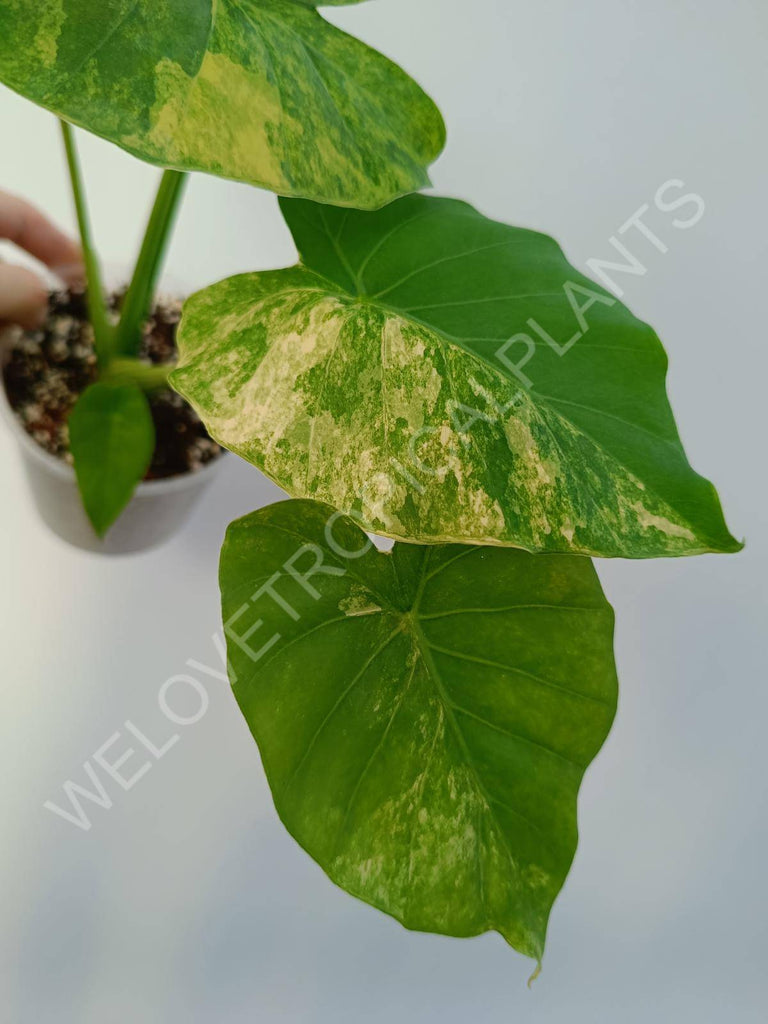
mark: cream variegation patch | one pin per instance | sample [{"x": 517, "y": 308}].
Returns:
[
  {"x": 392, "y": 449},
  {"x": 267, "y": 93}
]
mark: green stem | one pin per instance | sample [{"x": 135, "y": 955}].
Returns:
[
  {"x": 102, "y": 328},
  {"x": 138, "y": 299},
  {"x": 147, "y": 376}
]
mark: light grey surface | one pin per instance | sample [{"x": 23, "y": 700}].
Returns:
[{"x": 187, "y": 902}]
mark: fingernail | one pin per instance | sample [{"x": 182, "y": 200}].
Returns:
[
  {"x": 33, "y": 320},
  {"x": 70, "y": 273}
]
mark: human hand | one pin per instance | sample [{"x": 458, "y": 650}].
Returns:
[{"x": 23, "y": 295}]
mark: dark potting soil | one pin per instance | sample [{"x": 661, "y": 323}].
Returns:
[{"x": 49, "y": 368}]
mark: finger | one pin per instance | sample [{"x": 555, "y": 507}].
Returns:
[
  {"x": 72, "y": 274},
  {"x": 26, "y": 227},
  {"x": 23, "y": 297}
]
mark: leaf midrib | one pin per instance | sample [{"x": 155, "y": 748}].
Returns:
[
  {"x": 409, "y": 625},
  {"x": 424, "y": 650}
]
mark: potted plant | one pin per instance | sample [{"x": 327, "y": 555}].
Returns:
[
  {"x": 425, "y": 714},
  {"x": 103, "y": 403},
  {"x": 51, "y": 370}
]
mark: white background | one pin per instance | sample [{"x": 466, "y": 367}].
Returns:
[{"x": 187, "y": 902}]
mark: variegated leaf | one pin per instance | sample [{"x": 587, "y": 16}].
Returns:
[
  {"x": 264, "y": 91},
  {"x": 425, "y": 716},
  {"x": 380, "y": 377}
]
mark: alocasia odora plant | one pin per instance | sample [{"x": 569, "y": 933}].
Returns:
[{"x": 425, "y": 715}]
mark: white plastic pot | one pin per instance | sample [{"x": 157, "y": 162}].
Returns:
[{"x": 155, "y": 512}]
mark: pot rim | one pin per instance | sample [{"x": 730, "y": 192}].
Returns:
[{"x": 56, "y": 466}]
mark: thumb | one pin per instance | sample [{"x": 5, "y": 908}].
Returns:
[{"x": 23, "y": 297}]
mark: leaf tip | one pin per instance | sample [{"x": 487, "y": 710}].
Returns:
[{"x": 535, "y": 975}]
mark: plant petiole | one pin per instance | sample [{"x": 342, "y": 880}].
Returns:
[
  {"x": 147, "y": 376},
  {"x": 138, "y": 298},
  {"x": 102, "y": 328}
]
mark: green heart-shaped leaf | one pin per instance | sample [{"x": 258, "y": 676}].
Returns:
[
  {"x": 425, "y": 716},
  {"x": 264, "y": 91},
  {"x": 112, "y": 438},
  {"x": 391, "y": 374}
]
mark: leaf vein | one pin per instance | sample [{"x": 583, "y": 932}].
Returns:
[{"x": 519, "y": 671}]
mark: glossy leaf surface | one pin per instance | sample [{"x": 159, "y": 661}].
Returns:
[
  {"x": 264, "y": 91},
  {"x": 416, "y": 372},
  {"x": 424, "y": 716},
  {"x": 112, "y": 438}
]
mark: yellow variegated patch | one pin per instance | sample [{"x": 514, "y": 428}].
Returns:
[
  {"x": 400, "y": 375},
  {"x": 264, "y": 91}
]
